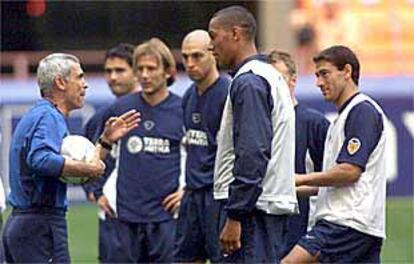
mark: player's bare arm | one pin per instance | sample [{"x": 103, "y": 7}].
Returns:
[
  {"x": 340, "y": 175},
  {"x": 306, "y": 191}
]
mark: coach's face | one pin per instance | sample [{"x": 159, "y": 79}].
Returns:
[
  {"x": 75, "y": 87},
  {"x": 222, "y": 43},
  {"x": 330, "y": 80}
]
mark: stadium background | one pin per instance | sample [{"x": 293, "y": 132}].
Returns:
[{"x": 381, "y": 32}]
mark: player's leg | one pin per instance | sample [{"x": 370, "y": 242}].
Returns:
[
  {"x": 263, "y": 239},
  {"x": 297, "y": 225},
  {"x": 299, "y": 255},
  {"x": 108, "y": 238},
  {"x": 332, "y": 243},
  {"x": 124, "y": 248},
  {"x": 352, "y": 246},
  {"x": 103, "y": 237},
  {"x": 373, "y": 253},
  {"x": 309, "y": 247},
  {"x": 160, "y": 241},
  {"x": 189, "y": 243},
  {"x": 272, "y": 230},
  {"x": 210, "y": 215}
]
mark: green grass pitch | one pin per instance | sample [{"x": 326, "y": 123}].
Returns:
[{"x": 398, "y": 247}]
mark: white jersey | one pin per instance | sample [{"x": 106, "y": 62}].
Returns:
[
  {"x": 360, "y": 205},
  {"x": 278, "y": 196}
]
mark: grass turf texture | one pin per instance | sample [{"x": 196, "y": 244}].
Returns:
[{"x": 398, "y": 248}]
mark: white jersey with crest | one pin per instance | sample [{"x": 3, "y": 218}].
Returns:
[{"x": 360, "y": 205}]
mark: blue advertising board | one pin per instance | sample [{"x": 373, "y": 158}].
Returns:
[{"x": 394, "y": 94}]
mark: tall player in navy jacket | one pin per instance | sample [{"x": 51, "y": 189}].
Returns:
[
  {"x": 254, "y": 166},
  {"x": 197, "y": 233},
  {"x": 148, "y": 165},
  {"x": 310, "y": 133},
  {"x": 121, "y": 80}
]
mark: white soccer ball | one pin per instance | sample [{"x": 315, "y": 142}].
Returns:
[{"x": 77, "y": 148}]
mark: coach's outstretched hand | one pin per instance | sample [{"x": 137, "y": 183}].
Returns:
[{"x": 117, "y": 127}]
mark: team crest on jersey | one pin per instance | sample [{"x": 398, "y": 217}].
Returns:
[
  {"x": 354, "y": 144},
  {"x": 196, "y": 117},
  {"x": 134, "y": 144},
  {"x": 149, "y": 124}
]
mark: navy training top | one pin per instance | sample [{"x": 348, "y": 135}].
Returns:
[
  {"x": 149, "y": 160},
  {"x": 252, "y": 104},
  {"x": 202, "y": 117}
]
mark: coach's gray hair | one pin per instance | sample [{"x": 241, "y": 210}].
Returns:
[{"x": 52, "y": 66}]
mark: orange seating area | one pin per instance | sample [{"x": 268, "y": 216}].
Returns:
[{"x": 385, "y": 33}]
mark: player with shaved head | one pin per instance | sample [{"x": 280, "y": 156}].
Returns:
[{"x": 197, "y": 235}]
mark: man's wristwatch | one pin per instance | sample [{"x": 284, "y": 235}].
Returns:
[{"x": 105, "y": 144}]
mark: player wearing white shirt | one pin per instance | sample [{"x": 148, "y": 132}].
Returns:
[{"x": 350, "y": 210}]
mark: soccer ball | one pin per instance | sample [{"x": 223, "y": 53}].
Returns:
[{"x": 77, "y": 148}]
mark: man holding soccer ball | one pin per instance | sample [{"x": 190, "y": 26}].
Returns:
[{"x": 36, "y": 231}]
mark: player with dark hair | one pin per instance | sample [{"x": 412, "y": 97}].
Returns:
[
  {"x": 197, "y": 234},
  {"x": 121, "y": 80},
  {"x": 350, "y": 210},
  {"x": 148, "y": 165},
  {"x": 254, "y": 167},
  {"x": 36, "y": 230},
  {"x": 310, "y": 133}
]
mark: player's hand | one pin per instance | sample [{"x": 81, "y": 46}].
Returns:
[
  {"x": 230, "y": 236},
  {"x": 172, "y": 202},
  {"x": 98, "y": 168},
  {"x": 91, "y": 197},
  {"x": 103, "y": 203},
  {"x": 117, "y": 127}
]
